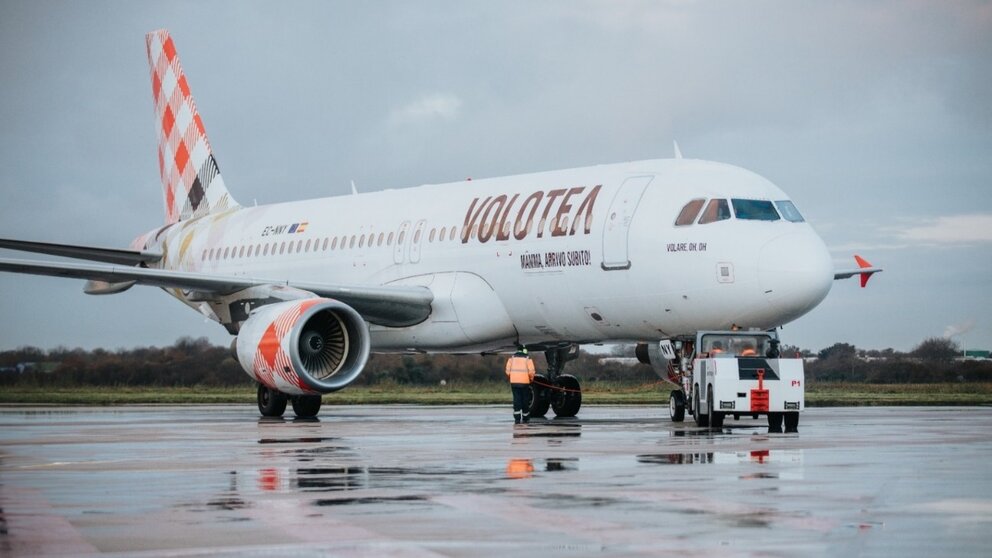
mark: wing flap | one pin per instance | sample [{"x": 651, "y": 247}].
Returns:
[
  {"x": 394, "y": 306},
  {"x": 92, "y": 253}
]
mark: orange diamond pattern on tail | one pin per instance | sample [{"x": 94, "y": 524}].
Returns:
[{"x": 192, "y": 183}]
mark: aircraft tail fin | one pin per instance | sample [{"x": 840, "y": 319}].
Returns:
[{"x": 191, "y": 181}]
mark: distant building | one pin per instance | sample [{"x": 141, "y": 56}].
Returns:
[{"x": 977, "y": 354}]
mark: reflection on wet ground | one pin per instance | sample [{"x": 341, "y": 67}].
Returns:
[{"x": 462, "y": 481}]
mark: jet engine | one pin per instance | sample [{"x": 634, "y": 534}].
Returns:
[{"x": 301, "y": 347}]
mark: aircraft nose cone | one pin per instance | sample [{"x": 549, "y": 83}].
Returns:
[{"x": 795, "y": 272}]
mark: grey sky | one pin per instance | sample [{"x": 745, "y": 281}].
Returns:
[{"x": 874, "y": 116}]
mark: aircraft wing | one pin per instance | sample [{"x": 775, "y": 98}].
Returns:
[
  {"x": 397, "y": 306},
  {"x": 106, "y": 255},
  {"x": 865, "y": 270}
]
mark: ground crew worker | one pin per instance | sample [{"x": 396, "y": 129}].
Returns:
[{"x": 520, "y": 371}]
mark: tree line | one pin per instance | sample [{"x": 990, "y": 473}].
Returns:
[{"x": 195, "y": 362}]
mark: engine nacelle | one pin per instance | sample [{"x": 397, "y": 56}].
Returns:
[{"x": 299, "y": 347}]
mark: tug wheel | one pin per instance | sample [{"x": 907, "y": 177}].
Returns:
[{"x": 676, "y": 405}]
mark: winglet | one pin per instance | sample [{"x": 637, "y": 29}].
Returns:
[
  {"x": 864, "y": 271},
  {"x": 863, "y": 263},
  {"x": 678, "y": 152}
]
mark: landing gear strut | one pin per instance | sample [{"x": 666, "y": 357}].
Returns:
[
  {"x": 565, "y": 397},
  {"x": 272, "y": 403}
]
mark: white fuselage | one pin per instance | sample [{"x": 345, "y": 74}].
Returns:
[{"x": 579, "y": 255}]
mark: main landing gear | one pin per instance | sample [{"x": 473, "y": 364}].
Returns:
[
  {"x": 560, "y": 392},
  {"x": 272, "y": 403}
]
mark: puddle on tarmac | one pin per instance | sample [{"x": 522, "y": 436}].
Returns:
[
  {"x": 793, "y": 457},
  {"x": 295, "y": 440},
  {"x": 369, "y": 500}
]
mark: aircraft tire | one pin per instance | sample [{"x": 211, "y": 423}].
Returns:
[
  {"x": 566, "y": 403},
  {"x": 716, "y": 417},
  {"x": 271, "y": 403},
  {"x": 701, "y": 419},
  {"x": 774, "y": 423},
  {"x": 676, "y": 405},
  {"x": 306, "y": 406},
  {"x": 540, "y": 399},
  {"x": 791, "y": 422}
]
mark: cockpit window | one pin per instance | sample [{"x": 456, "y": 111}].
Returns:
[
  {"x": 789, "y": 211},
  {"x": 689, "y": 212},
  {"x": 716, "y": 210},
  {"x": 755, "y": 210}
]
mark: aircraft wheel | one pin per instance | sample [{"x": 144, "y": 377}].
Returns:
[
  {"x": 701, "y": 419},
  {"x": 792, "y": 422},
  {"x": 306, "y": 406},
  {"x": 774, "y": 423},
  {"x": 566, "y": 403},
  {"x": 676, "y": 405},
  {"x": 716, "y": 417},
  {"x": 271, "y": 403},
  {"x": 540, "y": 400}
]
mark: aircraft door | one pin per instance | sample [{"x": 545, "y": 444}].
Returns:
[
  {"x": 401, "y": 240},
  {"x": 618, "y": 222},
  {"x": 417, "y": 241}
]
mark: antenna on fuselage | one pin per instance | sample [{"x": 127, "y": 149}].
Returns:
[
  {"x": 354, "y": 191},
  {"x": 678, "y": 152}
]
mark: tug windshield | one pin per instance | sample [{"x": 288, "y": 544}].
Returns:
[{"x": 736, "y": 344}]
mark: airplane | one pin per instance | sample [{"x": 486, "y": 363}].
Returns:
[{"x": 641, "y": 251}]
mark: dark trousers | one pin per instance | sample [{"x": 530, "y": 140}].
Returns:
[{"x": 521, "y": 401}]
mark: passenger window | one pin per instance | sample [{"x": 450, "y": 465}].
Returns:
[
  {"x": 453, "y": 233},
  {"x": 755, "y": 210},
  {"x": 689, "y": 213},
  {"x": 716, "y": 210},
  {"x": 382, "y": 236},
  {"x": 789, "y": 211},
  {"x": 444, "y": 231},
  {"x": 433, "y": 234},
  {"x": 250, "y": 250},
  {"x": 389, "y": 240}
]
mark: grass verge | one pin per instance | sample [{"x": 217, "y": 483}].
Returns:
[{"x": 817, "y": 395}]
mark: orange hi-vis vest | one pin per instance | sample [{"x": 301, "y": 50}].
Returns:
[{"x": 520, "y": 370}]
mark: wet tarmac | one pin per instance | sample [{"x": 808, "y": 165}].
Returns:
[{"x": 464, "y": 481}]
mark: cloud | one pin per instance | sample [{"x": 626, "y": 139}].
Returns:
[
  {"x": 955, "y": 229},
  {"x": 436, "y": 106}
]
